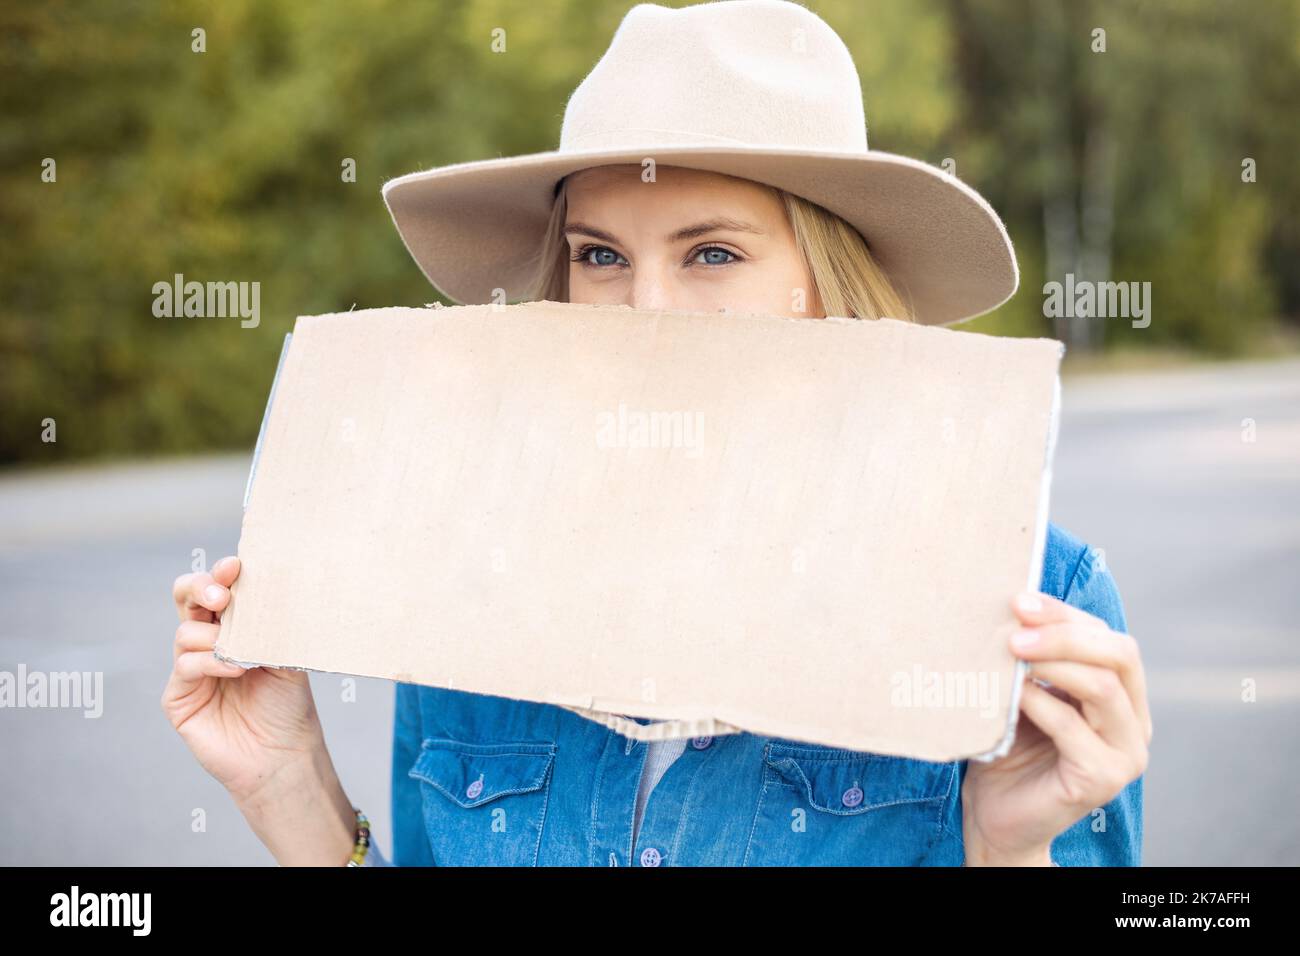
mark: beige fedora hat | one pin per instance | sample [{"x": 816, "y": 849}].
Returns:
[{"x": 760, "y": 89}]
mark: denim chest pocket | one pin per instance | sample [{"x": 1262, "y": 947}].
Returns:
[
  {"x": 820, "y": 806},
  {"x": 484, "y": 803}
]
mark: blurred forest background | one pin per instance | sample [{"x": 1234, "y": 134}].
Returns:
[{"x": 225, "y": 165}]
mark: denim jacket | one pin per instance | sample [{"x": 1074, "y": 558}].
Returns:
[{"x": 479, "y": 780}]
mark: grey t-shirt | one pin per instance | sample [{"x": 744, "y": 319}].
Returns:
[{"x": 659, "y": 756}]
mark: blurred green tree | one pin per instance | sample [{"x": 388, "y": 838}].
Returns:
[{"x": 228, "y": 165}]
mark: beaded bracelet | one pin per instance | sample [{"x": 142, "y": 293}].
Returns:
[{"x": 362, "y": 841}]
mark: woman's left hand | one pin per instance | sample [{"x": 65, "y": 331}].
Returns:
[{"x": 1077, "y": 745}]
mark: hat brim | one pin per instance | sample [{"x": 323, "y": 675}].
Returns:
[{"x": 475, "y": 227}]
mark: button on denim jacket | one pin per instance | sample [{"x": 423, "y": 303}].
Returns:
[{"x": 480, "y": 780}]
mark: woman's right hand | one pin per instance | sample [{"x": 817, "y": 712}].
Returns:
[
  {"x": 256, "y": 731},
  {"x": 244, "y": 726}
]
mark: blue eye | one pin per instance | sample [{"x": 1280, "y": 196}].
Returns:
[
  {"x": 716, "y": 262},
  {"x": 605, "y": 256}
]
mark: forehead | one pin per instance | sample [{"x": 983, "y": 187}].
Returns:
[{"x": 677, "y": 184}]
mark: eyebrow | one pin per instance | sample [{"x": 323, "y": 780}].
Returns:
[{"x": 716, "y": 224}]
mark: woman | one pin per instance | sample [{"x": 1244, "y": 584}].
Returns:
[{"x": 659, "y": 199}]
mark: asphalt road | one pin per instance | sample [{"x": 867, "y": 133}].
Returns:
[{"x": 1200, "y": 526}]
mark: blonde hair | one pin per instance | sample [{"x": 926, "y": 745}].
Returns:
[{"x": 848, "y": 282}]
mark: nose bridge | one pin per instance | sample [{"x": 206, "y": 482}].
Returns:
[
  {"x": 657, "y": 281},
  {"x": 652, "y": 285}
]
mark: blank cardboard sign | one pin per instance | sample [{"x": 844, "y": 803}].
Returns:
[{"x": 801, "y": 528}]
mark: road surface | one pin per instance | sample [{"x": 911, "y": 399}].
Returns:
[{"x": 1189, "y": 480}]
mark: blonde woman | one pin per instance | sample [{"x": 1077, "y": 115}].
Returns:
[{"x": 715, "y": 158}]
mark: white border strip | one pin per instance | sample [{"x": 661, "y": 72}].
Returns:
[
  {"x": 266, "y": 414},
  {"x": 1035, "y": 572}
]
